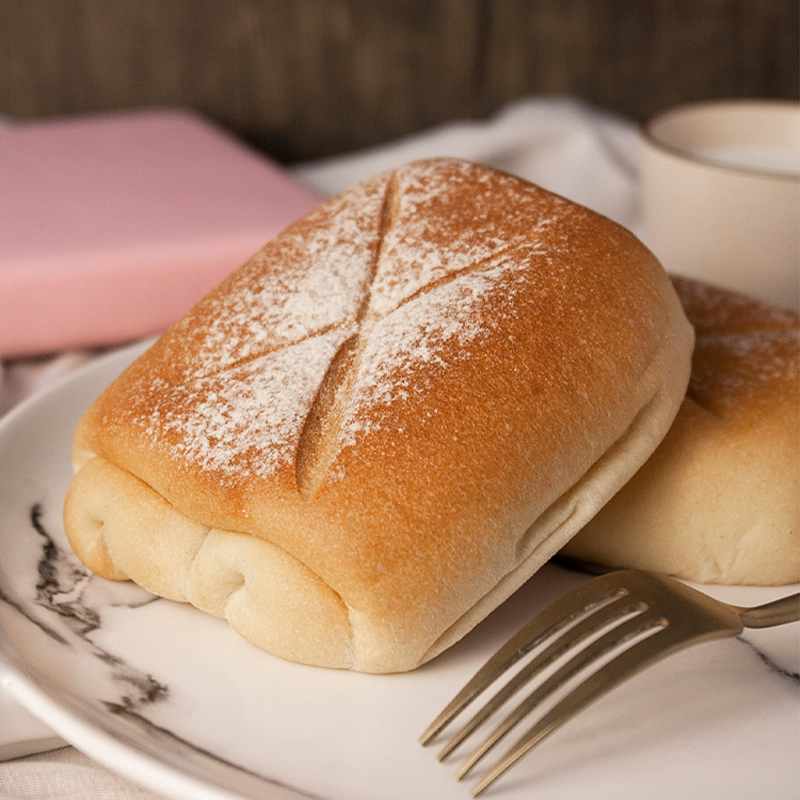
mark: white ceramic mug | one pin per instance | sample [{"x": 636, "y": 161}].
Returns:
[{"x": 721, "y": 195}]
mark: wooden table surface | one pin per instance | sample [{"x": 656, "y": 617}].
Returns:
[{"x": 311, "y": 78}]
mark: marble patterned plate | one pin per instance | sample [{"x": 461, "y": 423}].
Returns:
[{"x": 176, "y": 700}]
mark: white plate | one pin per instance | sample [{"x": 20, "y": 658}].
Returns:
[{"x": 177, "y": 701}]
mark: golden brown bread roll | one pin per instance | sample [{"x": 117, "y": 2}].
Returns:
[
  {"x": 379, "y": 427},
  {"x": 719, "y": 501}
]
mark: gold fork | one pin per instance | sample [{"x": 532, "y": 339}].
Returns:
[{"x": 616, "y": 625}]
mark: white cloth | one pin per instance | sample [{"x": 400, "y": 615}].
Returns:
[
  {"x": 584, "y": 154},
  {"x": 65, "y": 774},
  {"x": 579, "y": 152}
]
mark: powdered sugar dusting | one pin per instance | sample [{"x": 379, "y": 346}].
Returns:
[
  {"x": 404, "y": 263},
  {"x": 253, "y": 414},
  {"x": 307, "y": 281},
  {"x": 743, "y": 349},
  {"x": 736, "y": 369},
  {"x": 403, "y": 345},
  {"x": 719, "y": 311},
  {"x": 428, "y": 239}
]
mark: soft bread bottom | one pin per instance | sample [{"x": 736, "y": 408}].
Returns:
[{"x": 122, "y": 528}]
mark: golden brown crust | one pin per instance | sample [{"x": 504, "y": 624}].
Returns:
[
  {"x": 719, "y": 501},
  {"x": 400, "y": 386}
]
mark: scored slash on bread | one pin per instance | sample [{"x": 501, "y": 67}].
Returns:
[
  {"x": 324, "y": 423},
  {"x": 372, "y": 433}
]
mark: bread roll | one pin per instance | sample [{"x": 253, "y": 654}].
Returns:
[
  {"x": 378, "y": 428},
  {"x": 719, "y": 501}
]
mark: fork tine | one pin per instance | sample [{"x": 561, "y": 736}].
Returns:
[
  {"x": 656, "y": 647},
  {"x": 590, "y": 625},
  {"x": 597, "y": 649},
  {"x": 579, "y": 601}
]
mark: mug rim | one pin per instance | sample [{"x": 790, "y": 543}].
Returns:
[{"x": 652, "y": 139}]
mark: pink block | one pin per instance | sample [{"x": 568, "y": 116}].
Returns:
[{"x": 112, "y": 226}]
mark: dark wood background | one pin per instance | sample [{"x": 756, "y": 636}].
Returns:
[{"x": 311, "y": 78}]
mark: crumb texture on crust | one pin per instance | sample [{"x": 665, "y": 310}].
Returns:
[
  {"x": 390, "y": 395},
  {"x": 719, "y": 501}
]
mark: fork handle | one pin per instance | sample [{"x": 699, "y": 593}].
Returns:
[{"x": 778, "y": 612}]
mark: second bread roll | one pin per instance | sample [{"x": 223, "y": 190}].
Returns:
[{"x": 719, "y": 501}]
